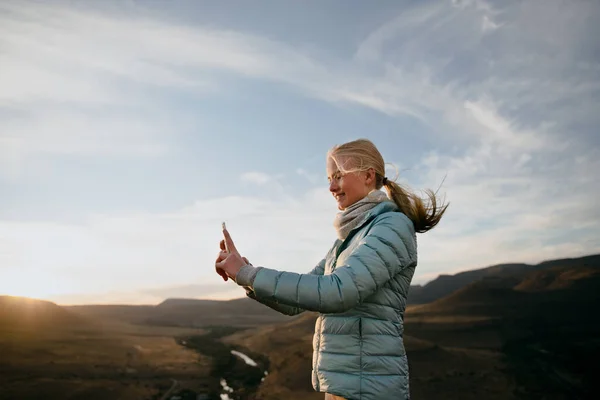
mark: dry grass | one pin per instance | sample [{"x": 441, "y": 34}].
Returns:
[
  {"x": 95, "y": 361},
  {"x": 455, "y": 372},
  {"x": 458, "y": 373}
]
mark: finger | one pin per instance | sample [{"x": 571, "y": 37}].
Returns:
[
  {"x": 223, "y": 274},
  {"x": 229, "y": 241},
  {"x": 222, "y": 245},
  {"x": 221, "y": 260},
  {"x": 218, "y": 262},
  {"x": 222, "y": 256}
]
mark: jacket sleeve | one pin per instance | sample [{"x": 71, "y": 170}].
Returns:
[
  {"x": 389, "y": 247},
  {"x": 284, "y": 308}
]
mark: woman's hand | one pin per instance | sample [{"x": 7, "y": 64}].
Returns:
[{"x": 228, "y": 264}]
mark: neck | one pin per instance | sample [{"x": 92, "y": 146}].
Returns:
[{"x": 354, "y": 214}]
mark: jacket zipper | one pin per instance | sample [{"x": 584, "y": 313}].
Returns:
[{"x": 318, "y": 355}]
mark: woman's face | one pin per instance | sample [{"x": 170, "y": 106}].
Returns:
[{"x": 350, "y": 187}]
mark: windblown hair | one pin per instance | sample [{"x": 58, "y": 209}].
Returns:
[{"x": 361, "y": 155}]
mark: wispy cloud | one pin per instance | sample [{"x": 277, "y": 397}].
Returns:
[
  {"x": 488, "y": 24},
  {"x": 312, "y": 178},
  {"x": 79, "y": 81}
]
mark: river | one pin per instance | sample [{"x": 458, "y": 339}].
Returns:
[{"x": 236, "y": 373}]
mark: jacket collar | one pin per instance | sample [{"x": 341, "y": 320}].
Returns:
[{"x": 383, "y": 207}]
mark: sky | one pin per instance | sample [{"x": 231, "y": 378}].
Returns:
[{"x": 129, "y": 130}]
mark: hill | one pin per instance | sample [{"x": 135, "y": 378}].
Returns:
[
  {"x": 506, "y": 296},
  {"x": 25, "y": 313},
  {"x": 446, "y": 284},
  {"x": 545, "y": 322},
  {"x": 186, "y": 313},
  {"x": 458, "y": 373},
  {"x": 556, "y": 278},
  {"x": 50, "y": 352}
]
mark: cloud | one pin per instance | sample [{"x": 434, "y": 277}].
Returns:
[
  {"x": 497, "y": 130},
  {"x": 415, "y": 65},
  {"x": 259, "y": 178},
  {"x": 125, "y": 255},
  {"x": 488, "y": 24},
  {"x": 312, "y": 178},
  {"x": 83, "y": 82},
  {"x": 514, "y": 198},
  {"x": 122, "y": 257},
  {"x": 410, "y": 19},
  {"x": 60, "y": 132},
  {"x": 420, "y": 44}
]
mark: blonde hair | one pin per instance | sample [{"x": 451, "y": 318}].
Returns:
[{"x": 361, "y": 155}]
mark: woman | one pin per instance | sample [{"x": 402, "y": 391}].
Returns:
[{"x": 359, "y": 289}]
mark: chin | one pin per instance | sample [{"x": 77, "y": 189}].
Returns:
[{"x": 342, "y": 205}]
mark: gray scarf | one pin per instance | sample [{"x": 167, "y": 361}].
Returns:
[{"x": 354, "y": 215}]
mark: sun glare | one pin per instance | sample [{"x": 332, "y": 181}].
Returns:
[{"x": 32, "y": 287}]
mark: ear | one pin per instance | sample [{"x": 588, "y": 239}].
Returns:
[{"x": 370, "y": 176}]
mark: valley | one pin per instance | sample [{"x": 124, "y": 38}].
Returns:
[{"x": 505, "y": 333}]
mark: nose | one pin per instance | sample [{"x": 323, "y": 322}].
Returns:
[{"x": 333, "y": 186}]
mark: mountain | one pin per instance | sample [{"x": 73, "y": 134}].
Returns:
[
  {"x": 242, "y": 312},
  {"x": 545, "y": 322},
  {"x": 444, "y": 285},
  {"x": 556, "y": 278},
  {"x": 186, "y": 313},
  {"x": 555, "y": 285},
  {"x": 32, "y": 314}
]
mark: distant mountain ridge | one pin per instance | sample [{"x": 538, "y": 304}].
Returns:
[
  {"x": 35, "y": 314},
  {"x": 185, "y": 312},
  {"x": 498, "y": 280},
  {"x": 444, "y": 285}
]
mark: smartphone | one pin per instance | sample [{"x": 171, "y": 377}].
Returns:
[{"x": 225, "y": 227}]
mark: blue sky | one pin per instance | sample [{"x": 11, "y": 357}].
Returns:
[{"x": 129, "y": 130}]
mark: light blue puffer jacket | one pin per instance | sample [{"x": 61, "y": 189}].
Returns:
[{"x": 359, "y": 290}]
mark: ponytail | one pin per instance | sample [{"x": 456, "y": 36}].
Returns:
[{"x": 424, "y": 215}]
